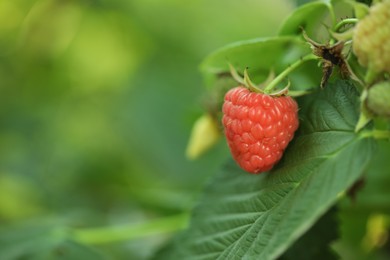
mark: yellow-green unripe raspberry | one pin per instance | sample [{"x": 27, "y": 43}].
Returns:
[
  {"x": 378, "y": 99},
  {"x": 371, "y": 39}
]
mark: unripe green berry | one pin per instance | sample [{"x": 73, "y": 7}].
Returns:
[
  {"x": 378, "y": 99},
  {"x": 204, "y": 135},
  {"x": 371, "y": 39}
]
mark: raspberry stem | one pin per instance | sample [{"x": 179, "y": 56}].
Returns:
[
  {"x": 113, "y": 234},
  {"x": 377, "y": 134},
  {"x": 370, "y": 76},
  {"x": 269, "y": 88},
  {"x": 345, "y": 22}
]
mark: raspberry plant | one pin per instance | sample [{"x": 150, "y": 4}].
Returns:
[
  {"x": 323, "y": 189},
  {"x": 336, "y": 70}
]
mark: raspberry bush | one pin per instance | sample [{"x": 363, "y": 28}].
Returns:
[
  {"x": 327, "y": 72},
  {"x": 288, "y": 156}
]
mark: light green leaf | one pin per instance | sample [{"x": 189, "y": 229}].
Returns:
[
  {"x": 256, "y": 54},
  {"x": 244, "y": 216},
  {"x": 312, "y": 17},
  {"x": 261, "y": 56}
]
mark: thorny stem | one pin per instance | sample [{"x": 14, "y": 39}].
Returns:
[
  {"x": 111, "y": 234},
  {"x": 344, "y": 22},
  {"x": 288, "y": 70},
  {"x": 377, "y": 134}
]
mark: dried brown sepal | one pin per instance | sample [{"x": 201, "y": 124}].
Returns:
[{"x": 331, "y": 56}]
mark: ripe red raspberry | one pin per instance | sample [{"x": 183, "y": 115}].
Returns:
[{"x": 258, "y": 127}]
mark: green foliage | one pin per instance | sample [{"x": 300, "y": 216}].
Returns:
[
  {"x": 371, "y": 200},
  {"x": 315, "y": 244},
  {"x": 273, "y": 52},
  {"x": 97, "y": 101},
  {"x": 253, "y": 216},
  {"x": 42, "y": 240},
  {"x": 311, "y": 17},
  {"x": 261, "y": 56}
]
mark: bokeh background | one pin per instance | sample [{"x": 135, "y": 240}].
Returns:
[{"x": 97, "y": 100}]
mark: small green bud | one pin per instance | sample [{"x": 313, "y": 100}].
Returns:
[{"x": 378, "y": 99}]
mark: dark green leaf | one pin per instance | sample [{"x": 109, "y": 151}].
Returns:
[
  {"x": 302, "y": 2},
  {"x": 260, "y": 216},
  {"x": 367, "y": 2},
  {"x": 376, "y": 193},
  {"x": 372, "y": 198}
]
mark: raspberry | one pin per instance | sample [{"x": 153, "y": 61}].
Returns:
[
  {"x": 258, "y": 127},
  {"x": 371, "y": 38}
]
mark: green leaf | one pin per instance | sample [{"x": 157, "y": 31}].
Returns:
[
  {"x": 375, "y": 193},
  {"x": 256, "y": 54},
  {"x": 260, "y": 216},
  {"x": 261, "y": 56},
  {"x": 372, "y": 198},
  {"x": 312, "y": 17}
]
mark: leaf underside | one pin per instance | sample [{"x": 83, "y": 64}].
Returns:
[
  {"x": 257, "y": 54},
  {"x": 311, "y": 17},
  {"x": 244, "y": 216},
  {"x": 262, "y": 57}
]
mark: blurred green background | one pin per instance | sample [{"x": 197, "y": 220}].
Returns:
[{"x": 97, "y": 100}]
